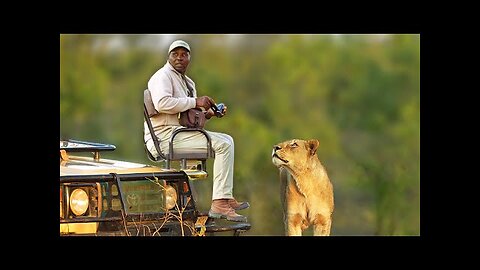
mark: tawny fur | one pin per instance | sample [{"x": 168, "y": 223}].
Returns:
[{"x": 306, "y": 190}]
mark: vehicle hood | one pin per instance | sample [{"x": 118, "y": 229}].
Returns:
[{"x": 77, "y": 165}]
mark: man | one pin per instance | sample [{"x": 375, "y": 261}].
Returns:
[{"x": 171, "y": 95}]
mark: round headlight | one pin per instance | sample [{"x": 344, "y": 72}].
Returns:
[
  {"x": 170, "y": 197},
  {"x": 79, "y": 201}
]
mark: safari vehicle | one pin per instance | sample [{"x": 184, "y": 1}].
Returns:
[{"x": 105, "y": 197}]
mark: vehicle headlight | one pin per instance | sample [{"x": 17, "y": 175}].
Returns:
[
  {"x": 170, "y": 197},
  {"x": 79, "y": 201}
]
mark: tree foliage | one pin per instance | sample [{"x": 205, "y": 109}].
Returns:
[{"x": 358, "y": 94}]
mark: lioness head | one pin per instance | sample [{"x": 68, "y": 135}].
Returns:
[{"x": 294, "y": 154}]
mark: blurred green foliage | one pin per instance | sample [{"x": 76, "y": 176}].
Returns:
[{"x": 359, "y": 95}]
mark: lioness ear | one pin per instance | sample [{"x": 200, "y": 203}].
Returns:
[{"x": 313, "y": 145}]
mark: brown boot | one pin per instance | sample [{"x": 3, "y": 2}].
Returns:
[
  {"x": 221, "y": 209},
  {"x": 238, "y": 205}
]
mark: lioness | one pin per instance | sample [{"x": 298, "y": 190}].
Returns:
[{"x": 307, "y": 197}]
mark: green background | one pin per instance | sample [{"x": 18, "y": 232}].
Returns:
[{"x": 359, "y": 95}]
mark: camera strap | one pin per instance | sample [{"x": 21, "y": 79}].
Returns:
[{"x": 190, "y": 89}]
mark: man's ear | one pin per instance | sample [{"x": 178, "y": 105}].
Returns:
[{"x": 313, "y": 145}]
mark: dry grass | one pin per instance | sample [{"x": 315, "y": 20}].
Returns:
[{"x": 145, "y": 230}]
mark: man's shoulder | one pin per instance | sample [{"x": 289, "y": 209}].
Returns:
[{"x": 162, "y": 73}]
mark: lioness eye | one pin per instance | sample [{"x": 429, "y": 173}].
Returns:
[{"x": 294, "y": 144}]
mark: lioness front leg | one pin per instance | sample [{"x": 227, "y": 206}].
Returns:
[
  {"x": 294, "y": 225},
  {"x": 321, "y": 225}
]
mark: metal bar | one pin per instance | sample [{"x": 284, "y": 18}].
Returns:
[
  {"x": 120, "y": 190},
  {"x": 129, "y": 218},
  {"x": 180, "y": 175},
  {"x": 89, "y": 146},
  {"x": 91, "y": 219},
  {"x": 79, "y": 184},
  {"x": 156, "y": 143},
  {"x": 210, "y": 153}
]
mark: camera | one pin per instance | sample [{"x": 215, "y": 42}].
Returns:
[{"x": 218, "y": 109}]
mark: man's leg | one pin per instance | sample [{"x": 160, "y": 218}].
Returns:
[{"x": 223, "y": 202}]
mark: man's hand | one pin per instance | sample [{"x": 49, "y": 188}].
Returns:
[
  {"x": 209, "y": 113},
  {"x": 204, "y": 101}
]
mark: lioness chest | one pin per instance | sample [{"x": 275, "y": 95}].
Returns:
[{"x": 313, "y": 196}]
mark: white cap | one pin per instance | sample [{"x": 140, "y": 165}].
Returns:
[{"x": 178, "y": 43}]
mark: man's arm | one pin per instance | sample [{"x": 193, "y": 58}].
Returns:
[{"x": 164, "y": 98}]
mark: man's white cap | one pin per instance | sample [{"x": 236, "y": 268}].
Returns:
[{"x": 178, "y": 43}]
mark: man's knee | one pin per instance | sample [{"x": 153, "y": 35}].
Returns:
[
  {"x": 229, "y": 139},
  {"x": 225, "y": 142},
  {"x": 228, "y": 142}
]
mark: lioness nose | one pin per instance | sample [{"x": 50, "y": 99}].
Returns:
[{"x": 276, "y": 147}]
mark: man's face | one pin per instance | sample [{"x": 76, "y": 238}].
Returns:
[{"x": 179, "y": 58}]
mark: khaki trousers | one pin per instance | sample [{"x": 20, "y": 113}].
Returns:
[{"x": 222, "y": 145}]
